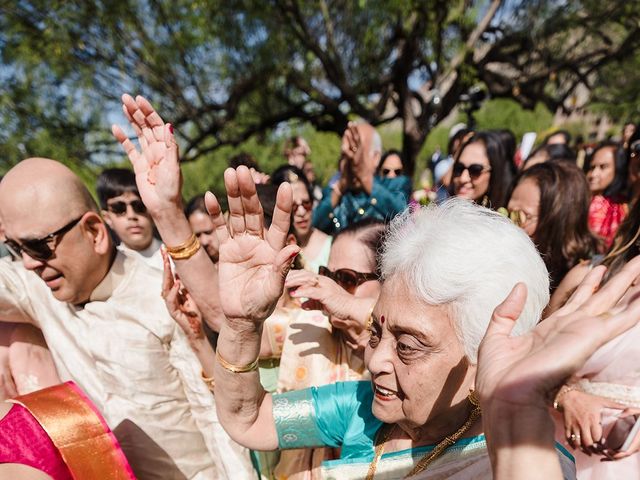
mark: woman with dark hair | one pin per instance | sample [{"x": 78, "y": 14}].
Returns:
[
  {"x": 315, "y": 244},
  {"x": 508, "y": 141},
  {"x": 633, "y": 167},
  {"x": 391, "y": 164},
  {"x": 602, "y": 395},
  {"x": 482, "y": 172},
  {"x": 545, "y": 153},
  {"x": 550, "y": 201},
  {"x": 606, "y": 171}
]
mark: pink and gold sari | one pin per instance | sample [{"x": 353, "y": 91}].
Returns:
[{"x": 61, "y": 433}]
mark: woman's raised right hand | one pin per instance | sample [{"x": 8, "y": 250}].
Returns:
[{"x": 253, "y": 263}]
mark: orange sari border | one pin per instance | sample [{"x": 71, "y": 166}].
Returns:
[{"x": 79, "y": 432}]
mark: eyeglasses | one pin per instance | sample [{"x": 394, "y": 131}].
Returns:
[
  {"x": 347, "y": 278},
  {"x": 306, "y": 204},
  {"x": 41, "y": 248},
  {"x": 387, "y": 171},
  {"x": 120, "y": 208},
  {"x": 521, "y": 218},
  {"x": 475, "y": 169}
]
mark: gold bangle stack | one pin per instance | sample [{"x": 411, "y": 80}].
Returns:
[
  {"x": 230, "y": 367},
  {"x": 211, "y": 383},
  {"x": 186, "y": 249}
]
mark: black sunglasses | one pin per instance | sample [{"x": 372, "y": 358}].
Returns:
[
  {"x": 347, "y": 278},
  {"x": 475, "y": 169},
  {"x": 120, "y": 208},
  {"x": 387, "y": 171},
  {"x": 40, "y": 248},
  {"x": 306, "y": 204}
]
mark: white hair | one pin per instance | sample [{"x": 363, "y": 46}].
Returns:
[
  {"x": 376, "y": 143},
  {"x": 469, "y": 258}
]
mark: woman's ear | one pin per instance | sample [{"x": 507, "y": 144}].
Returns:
[{"x": 95, "y": 226}]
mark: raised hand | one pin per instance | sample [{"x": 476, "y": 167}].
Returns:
[
  {"x": 252, "y": 265},
  {"x": 353, "y": 151},
  {"x": 156, "y": 164},
  {"x": 180, "y": 304},
  {"x": 526, "y": 371}
]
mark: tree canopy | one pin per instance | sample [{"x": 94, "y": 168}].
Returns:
[{"x": 226, "y": 71}]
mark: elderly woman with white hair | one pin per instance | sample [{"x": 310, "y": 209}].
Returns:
[
  {"x": 418, "y": 412},
  {"x": 437, "y": 332}
]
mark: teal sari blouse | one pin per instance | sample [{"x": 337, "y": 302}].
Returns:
[
  {"x": 339, "y": 416},
  {"x": 335, "y": 415}
]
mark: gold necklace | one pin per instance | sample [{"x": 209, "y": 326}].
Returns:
[{"x": 429, "y": 457}]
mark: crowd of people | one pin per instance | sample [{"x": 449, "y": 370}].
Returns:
[{"x": 486, "y": 328}]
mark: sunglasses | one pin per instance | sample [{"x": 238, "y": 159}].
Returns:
[
  {"x": 475, "y": 170},
  {"x": 306, "y": 204},
  {"x": 120, "y": 208},
  {"x": 41, "y": 248},
  {"x": 387, "y": 171},
  {"x": 347, "y": 278},
  {"x": 520, "y": 218}
]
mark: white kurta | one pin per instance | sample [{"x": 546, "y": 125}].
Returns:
[{"x": 126, "y": 352}]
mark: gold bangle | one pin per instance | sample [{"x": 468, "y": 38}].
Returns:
[
  {"x": 561, "y": 393},
  {"x": 236, "y": 368},
  {"x": 211, "y": 383},
  {"x": 186, "y": 249}
]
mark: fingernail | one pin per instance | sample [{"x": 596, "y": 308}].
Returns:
[
  {"x": 170, "y": 128},
  {"x": 293, "y": 255}
]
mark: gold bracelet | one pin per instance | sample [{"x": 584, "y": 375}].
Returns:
[
  {"x": 211, "y": 383},
  {"x": 236, "y": 368},
  {"x": 561, "y": 393},
  {"x": 185, "y": 250}
]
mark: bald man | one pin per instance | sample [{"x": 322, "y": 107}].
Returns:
[
  {"x": 360, "y": 193},
  {"x": 107, "y": 327}
]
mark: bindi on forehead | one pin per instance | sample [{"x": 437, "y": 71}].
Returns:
[{"x": 382, "y": 319}]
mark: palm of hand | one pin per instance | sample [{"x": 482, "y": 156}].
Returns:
[
  {"x": 498, "y": 359},
  {"x": 517, "y": 369},
  {"x": 160, "y": 178},
  {"x": 249, "y": 282}
]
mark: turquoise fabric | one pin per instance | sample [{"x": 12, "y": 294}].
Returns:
[
  {"x": 389, "y": 196},
  {"x": 335, "y": 415}
]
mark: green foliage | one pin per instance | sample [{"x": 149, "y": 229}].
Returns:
[
  {"x": 504, "y": 113},
  {"x": 237, "y": 74}
]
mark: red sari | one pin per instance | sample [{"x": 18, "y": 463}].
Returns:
[{"x": 605, "y": 216}]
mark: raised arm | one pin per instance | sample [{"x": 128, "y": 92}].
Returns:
[
  {"x": 252, "y": 268},
  {"x": 159, "y": 181},
  {"x": 518, "y": 377}
]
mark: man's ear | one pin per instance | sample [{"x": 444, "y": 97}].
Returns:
[
  {"x": 375, "y": 160},
  {"x": 106, "y": 214},
  {"x": 97, "y": 229}
]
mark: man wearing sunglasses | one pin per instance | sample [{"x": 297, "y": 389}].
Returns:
[
  {"x": 126, "y": 215},
  {"x": 108, "y": 329},
  {"x": 360, "y": 193}
]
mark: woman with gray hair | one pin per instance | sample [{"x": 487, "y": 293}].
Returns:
[
  {"x": 438, "y": 295},
  {"x": 417, "y": 415}
]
